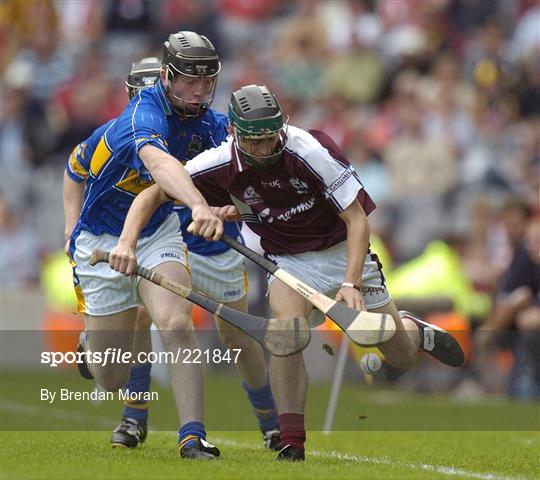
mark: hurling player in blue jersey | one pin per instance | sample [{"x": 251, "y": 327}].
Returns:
[
  {"x": 216, "y": 270},
  {"x": 142, "y": 147}
]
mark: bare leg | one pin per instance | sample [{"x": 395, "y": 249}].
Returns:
[
  {"x": 133, "y": 428},
  {"x": 143, "y": 340},
  {"x": 250, "y": 364},
  {"x": 172, "y": 315},
  {"x": 400, "y": 351},
  {"x": 288, "y": 374},
  {"x": 111, "y": 332}
]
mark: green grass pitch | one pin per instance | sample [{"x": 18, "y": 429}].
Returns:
[{"x": 401, "y": 436}]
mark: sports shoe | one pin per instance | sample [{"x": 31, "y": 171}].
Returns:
[
  {"x": 82, "y": 347},
  {"x": 129, "y": 433},
  {"x": 440, "y": 344},
  {"x": 271, "y": 440},
  {"x": 291, "y": 454},
  {"x": 202, "y": 450}
]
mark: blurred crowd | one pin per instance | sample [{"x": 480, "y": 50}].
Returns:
[{"x": 436, "y": 103}]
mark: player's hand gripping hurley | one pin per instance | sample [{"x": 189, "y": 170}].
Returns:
[
  {"x": 279, "y": 337},
  {"x": 363, "y": 328}
]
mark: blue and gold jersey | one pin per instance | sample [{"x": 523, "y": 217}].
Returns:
[
  {"x": 109, "y": 161},
  {"x": 78, "y": 165}
]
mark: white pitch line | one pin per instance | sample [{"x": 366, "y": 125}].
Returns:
[
  {"x": 386, "y": 461},
  {"x": 34, "y": 410},
  {"x": 53, "y": 412}
]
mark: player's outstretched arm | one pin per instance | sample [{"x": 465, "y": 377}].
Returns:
[
  {"x": 175, "y": 181},
  {"x": 122, "y": 257},
  {"x": 73, "y": 199},
  {"x": 357, "y": 246}
]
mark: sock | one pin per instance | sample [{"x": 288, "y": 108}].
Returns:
[
  {"x": 263, "y": 405},
  {"x": 139, "y": 382},
  {"x": 189, "y": 432},
  {"x": 291, "y": 430}
]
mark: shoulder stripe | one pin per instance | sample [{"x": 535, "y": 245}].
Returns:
[
  {"x": 133, "y": 121},
  {"x": 307, "y": 164}
]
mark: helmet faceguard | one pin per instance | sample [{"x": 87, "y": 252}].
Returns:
[
  {"x": 257, "y": 122},
  {"x": 143, "y": 74},
  {"x": 190, "y": 57}
]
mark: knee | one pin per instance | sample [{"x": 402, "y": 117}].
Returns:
[
  {"x": 293, "y": 362},
  {"x": 177, "y": 321},
  {"x": 111, "y": 380}
]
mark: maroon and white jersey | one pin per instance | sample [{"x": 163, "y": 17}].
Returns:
[{"x": 293, "y": 205}]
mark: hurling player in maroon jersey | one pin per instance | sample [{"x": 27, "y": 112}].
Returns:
[{"x": 300, "y": 194}]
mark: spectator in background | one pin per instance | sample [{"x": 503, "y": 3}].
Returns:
[
  {"x": 421, "y": 171},
  {"x": 467, "y": 15},
  {"x": 38, "y": 68},
  {"x": 43, "y": 64},
  {"x": 356, "y": 74},
  {"x": 525, "y": 381},
  {"x": 15, "y": 166},
  {"x": 338, "y": 117},
  {"x": 19, "y": 255},
  {"x": 190, "y": 15},
  {"x": 521, "y": 270},
  {"x": 129, "y": 16},
  {"x": 370, "y": 168},
  {"x": 81, "y": 23},
  {"x": 242, "y": 23},
  {"x": 448, "y": 103},
  {"x": 130, "y": 30},
  {"x": 301, "y": 53},
  {"x": 351, "y": 21},
  {"x": 529, "y": 91},
  {"x": 516, "y": 292},
  {"x": 523, "y": 164},
  {"x": 18, "y": 22},
  {"x": 84, "y": 100},
  {"x": 526, "y": 36}
]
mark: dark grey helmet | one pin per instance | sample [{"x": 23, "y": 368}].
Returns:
[
  {"x": 255, "y": 114},
  {"x": 188, "y": 54},
  {"x": 143, "y": 74}
]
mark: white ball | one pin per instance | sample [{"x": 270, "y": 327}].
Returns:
[{"x": 370, "y": 363}]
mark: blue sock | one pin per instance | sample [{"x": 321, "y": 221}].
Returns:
[
  {"x": 189, "y": 432},
  {"x": 263, "y": 405},
  {"x": 139, "y": 382}
]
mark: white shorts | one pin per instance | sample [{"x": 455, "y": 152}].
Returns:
[
  {"x": 103, "y": 291},
  {"x": 324, "y": 271},
  {"x": 221, "y": 277}
]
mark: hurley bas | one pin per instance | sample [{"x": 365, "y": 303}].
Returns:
[{"x": 65, "y": 394}]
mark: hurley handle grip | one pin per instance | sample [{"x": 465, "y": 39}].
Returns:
[{"x": 99, "y": 256}]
